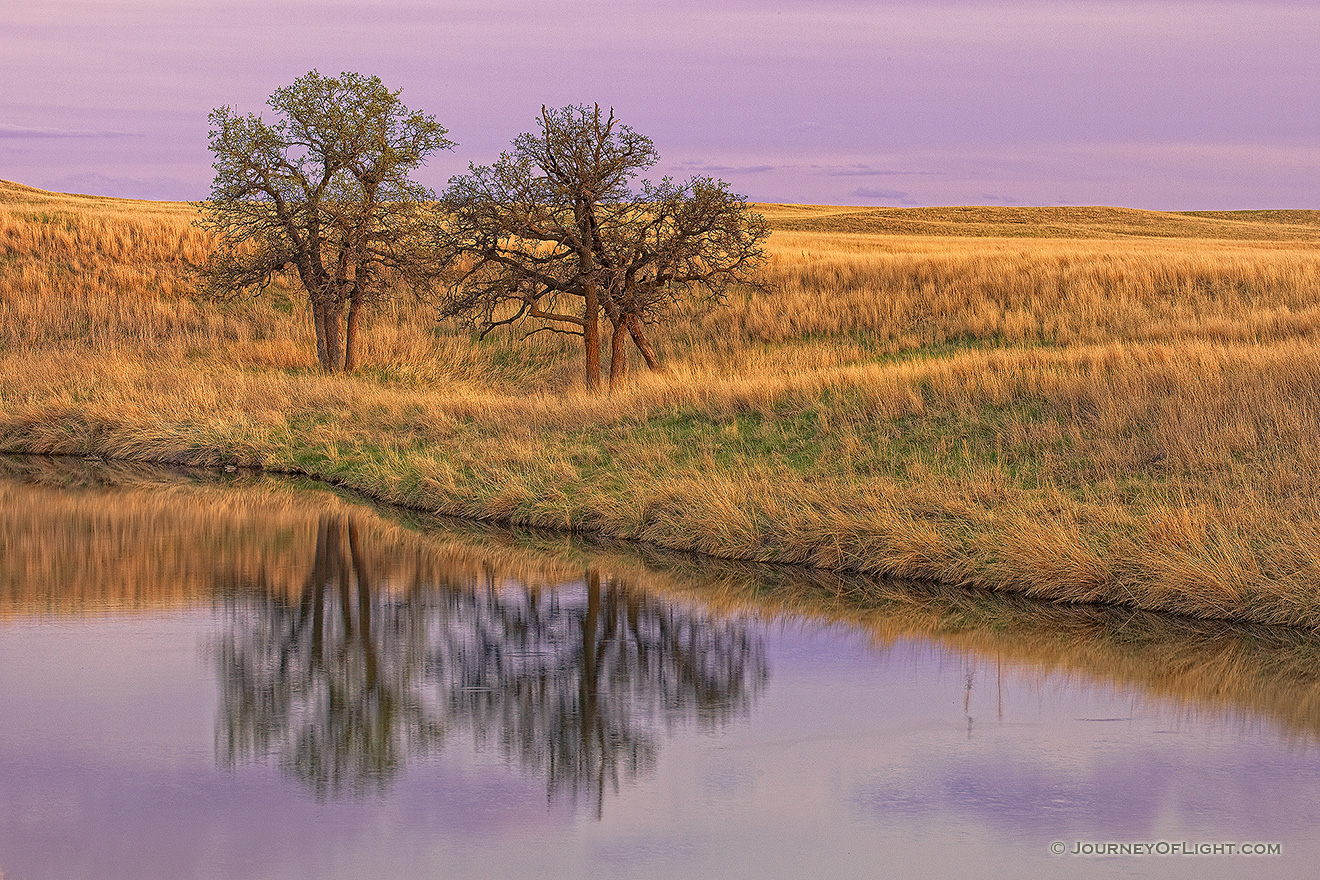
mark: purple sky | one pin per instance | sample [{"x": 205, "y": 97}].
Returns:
[{"x": 1171, "y": 104}]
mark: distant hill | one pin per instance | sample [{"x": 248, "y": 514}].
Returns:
[
  {"x": 1058, "y": 222},
  {"x": 19, "y": 195},
  {"x": 966, "y": 221}
]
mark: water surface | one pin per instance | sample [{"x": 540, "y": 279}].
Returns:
[{"x": 247, "y": 677}]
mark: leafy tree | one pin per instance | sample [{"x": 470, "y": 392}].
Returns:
[
  {"x": 322, "y": 194},
  {"x": 555, "y": 231}
]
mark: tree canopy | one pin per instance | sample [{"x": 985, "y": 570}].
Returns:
[
  {"x": 324, "y": 194},
  {"x": 556, "y": 231}
]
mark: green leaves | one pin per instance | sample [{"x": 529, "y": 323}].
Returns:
[{"x": 323, "y": 191}]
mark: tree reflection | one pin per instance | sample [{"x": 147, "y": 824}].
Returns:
[
  {"x": 334, "y": 684},
  {"x": 575, "y": 684},
  {"x": 370, "y": 665}
]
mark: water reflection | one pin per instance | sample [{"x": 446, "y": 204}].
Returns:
[
  {"x": 935, "y": 731},
  {"x": 333, "y": 683},
  {"x": 374, "y": 661},
  {"x": 516, "y": 636}
]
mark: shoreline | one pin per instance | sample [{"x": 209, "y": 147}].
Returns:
[{"x": 364, "y": 495}]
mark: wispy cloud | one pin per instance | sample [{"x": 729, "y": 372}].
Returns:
[
  {"x": 21, "y": 131},
  {"x": 999, "y": 200},
  {"x": 863, "y": 170},
  {"x": 726, "y": 169},
  {"x": 884, "y": 195}
]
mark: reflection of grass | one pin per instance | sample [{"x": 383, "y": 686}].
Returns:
[
  {"x": 138, "y": 538},
  {"x": 1082, "y": 404}
]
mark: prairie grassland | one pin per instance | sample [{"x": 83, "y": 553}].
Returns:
[{"x": 1090, "y": 405}]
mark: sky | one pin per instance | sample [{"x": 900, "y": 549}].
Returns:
[{"x": 1160, "y": 104}]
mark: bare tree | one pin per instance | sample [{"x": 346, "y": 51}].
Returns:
[
  {"x": 324, "y": 195},
  {"x": 684, "y": 246},
  {"x": 555, "y": 231}
]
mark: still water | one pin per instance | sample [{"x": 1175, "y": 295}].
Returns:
[{"x": 256, "y": 678}]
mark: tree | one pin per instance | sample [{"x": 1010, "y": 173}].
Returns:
[
  {"x": 685, "y": 245},
  {"x": 324, "y": 195},
  {"x": 555, "y": 231}
]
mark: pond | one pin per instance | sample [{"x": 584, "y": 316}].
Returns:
[{"x": 249, "y": 677}]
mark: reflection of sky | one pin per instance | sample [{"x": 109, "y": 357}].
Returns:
[
  {"x": 107, "y": 770},
  {"x": 853, "y": 764},
  {"x": 1144, "y": 103}
]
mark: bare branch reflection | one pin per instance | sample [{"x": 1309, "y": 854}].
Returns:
[{"x": 375, "y": 662}]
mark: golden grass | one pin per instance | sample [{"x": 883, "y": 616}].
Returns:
[
  {"x": 1086, "y": 405},
  {"x": 1058, "y": 222}
]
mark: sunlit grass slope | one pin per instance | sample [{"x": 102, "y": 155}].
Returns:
[{"x": 1085, "y": 404}]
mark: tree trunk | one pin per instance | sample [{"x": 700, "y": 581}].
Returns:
[
  {"x": 591, "y": 335},
  {"x": 351, "y": 333},
  {"x": 618, "y": 355},
  {"x": 334, "y": 337},
  {"x": 327, "y": 307},
  {"x": 318, "y": 322},
  {"x": 643, "y": 344}
]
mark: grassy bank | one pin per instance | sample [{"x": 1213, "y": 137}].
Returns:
[
  {"x": 1079, "y": 404},
  {"x": 136, "y": 539}
]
